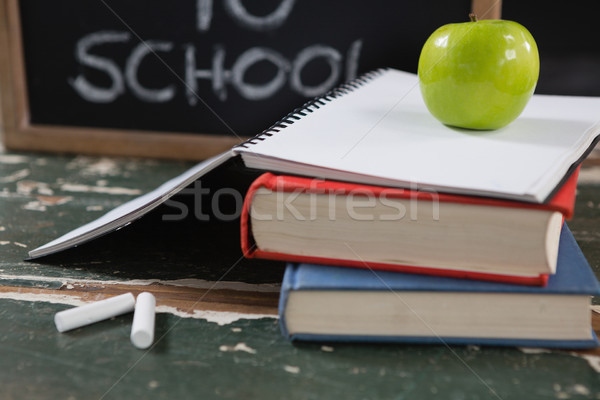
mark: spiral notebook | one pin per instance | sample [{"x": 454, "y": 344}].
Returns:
[{"x": 376, "y": 130}]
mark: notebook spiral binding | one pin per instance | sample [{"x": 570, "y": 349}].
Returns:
[{"x": 313, "y": 105}]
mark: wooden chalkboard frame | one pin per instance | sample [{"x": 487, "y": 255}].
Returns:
[{"x": 20, "y": 134}]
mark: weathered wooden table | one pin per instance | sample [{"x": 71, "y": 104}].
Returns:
[{"x": 216, "y": 333}]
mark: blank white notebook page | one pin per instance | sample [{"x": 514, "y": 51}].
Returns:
[{"x": 383, "y": 132}]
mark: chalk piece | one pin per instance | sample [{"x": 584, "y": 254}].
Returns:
[
  {"x": 142, "y": 329},
  {"x": 94, "y": 312}
]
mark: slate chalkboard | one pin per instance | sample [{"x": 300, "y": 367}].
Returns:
[
  {"x": 151, "y": 77},
  {"x": 193, "y": 78},
  {"x": 567, "y": 42},
  {"x": 249, "y": 70}
]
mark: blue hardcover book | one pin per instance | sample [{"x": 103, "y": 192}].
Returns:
[{"x": 326, "y": 303}]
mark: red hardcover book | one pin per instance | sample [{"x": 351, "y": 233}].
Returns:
[{"x": 316, "y": 221}]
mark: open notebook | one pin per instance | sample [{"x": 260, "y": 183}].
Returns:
[{"x": 377, "y": 130}]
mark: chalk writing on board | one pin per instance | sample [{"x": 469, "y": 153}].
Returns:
[
  {"x": 87, "y": 90},
  {"x": 223, "y": 73},
  {"x": 242, "y": 17}
]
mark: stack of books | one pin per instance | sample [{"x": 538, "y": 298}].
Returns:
[
  {"x": 398, "y": 228},
  {"x": 444, "y": 263},
  {"x": 424, "y": 268}
]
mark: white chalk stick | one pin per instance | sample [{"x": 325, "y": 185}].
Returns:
[
  {"x": 142, "y": 329},
  {"x": 94, "y": 312}
]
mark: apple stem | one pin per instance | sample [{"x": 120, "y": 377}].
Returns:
[{"x": 473, "y": 17}]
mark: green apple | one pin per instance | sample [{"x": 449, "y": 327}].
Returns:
[{"x": 478, "y": 74}]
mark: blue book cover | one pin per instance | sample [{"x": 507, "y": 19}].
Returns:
[{"x": 573, "y": 277}]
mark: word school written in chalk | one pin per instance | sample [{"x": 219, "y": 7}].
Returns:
[{"x": 219, "y": 72}]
